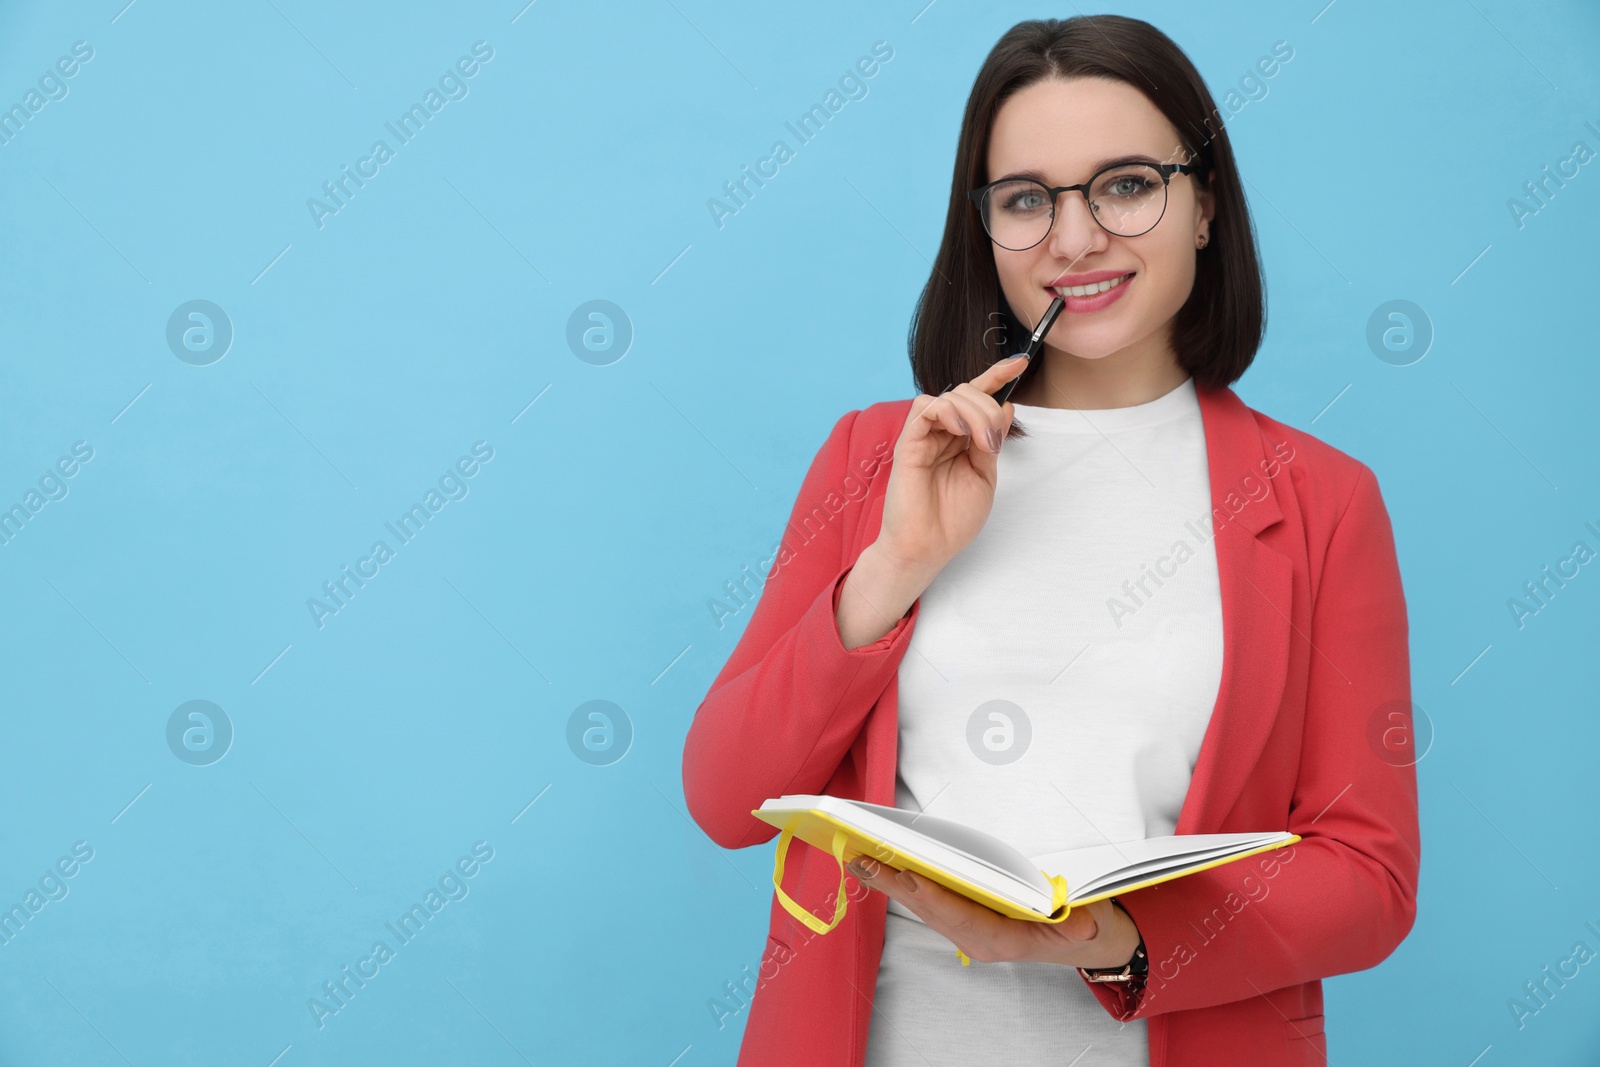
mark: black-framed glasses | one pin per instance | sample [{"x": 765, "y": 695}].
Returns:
[{"x": 1126, "y": 199}]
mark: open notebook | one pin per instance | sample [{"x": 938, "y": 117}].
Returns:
[{"x": 981, "y": 867}]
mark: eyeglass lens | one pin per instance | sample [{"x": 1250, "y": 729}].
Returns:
[{"x": 1127, "y": 200}]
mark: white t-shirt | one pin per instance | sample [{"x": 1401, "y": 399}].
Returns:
[{"x": 1055, "y": 692}]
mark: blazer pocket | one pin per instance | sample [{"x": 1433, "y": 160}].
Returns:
[
  {"x": 1307, "y": 1026},
  {"x": 778, "y": 952}
]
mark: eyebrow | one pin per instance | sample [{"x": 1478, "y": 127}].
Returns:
[{"x": 1095, "y": 168}]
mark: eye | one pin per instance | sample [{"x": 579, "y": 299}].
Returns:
[
  {"x": 1127, "y": 185},
  {"x": 1027, "y": 200}
]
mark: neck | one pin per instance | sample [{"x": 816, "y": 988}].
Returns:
[{"x": 1119, "y": 380}]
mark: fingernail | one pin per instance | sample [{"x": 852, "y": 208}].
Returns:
[
  {"x": 907, "y": 879},
  {"x": 1013, "y": 359},
  {"x": 994, "y": 440},
  {"x": 857, "y": 868},
  {"x": 964, "y": 427}
]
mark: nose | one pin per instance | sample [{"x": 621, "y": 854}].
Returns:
[{"x": 1075, "y": 233}]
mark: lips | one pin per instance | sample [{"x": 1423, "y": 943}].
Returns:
[
  {"x": 1097, "y": 298},
  {"x": 1087, "y": 285}
]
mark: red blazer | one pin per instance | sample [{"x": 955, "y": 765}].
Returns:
[{"x": 1309, "y": 734}]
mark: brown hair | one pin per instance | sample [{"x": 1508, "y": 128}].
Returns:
[{"x": 962, "y": 322}]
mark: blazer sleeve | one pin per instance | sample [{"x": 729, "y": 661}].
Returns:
[
  {"x": 786, "y": 707},
  {"x": 1344, "y": 897}
]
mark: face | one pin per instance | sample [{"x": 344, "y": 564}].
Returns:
[{"x": 1061, "y": 132}]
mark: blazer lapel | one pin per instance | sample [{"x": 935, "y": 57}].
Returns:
[{"x": 1256, "y": 583}]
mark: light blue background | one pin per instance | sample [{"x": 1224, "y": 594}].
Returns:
[{"x": 432, "y": 310}]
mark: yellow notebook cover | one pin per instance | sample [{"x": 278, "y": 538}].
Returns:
[{"x": 845, "y": 842}]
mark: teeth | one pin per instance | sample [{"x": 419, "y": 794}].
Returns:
[{"x": 1091, "y": 290}]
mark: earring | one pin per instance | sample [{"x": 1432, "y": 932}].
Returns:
[{"x": 1201, "y": 243}]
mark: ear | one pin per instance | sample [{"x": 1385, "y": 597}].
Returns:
[{"x": 1206, "y": 199}]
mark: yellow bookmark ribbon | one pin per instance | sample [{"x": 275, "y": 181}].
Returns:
[
  {"x": 789, "y": 903},
  {"x": 841, "y": 902}
]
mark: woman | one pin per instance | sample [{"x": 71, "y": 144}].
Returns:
[{"x": 1120, "y": 605}]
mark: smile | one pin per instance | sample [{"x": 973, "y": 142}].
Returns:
[{"x": 1091, "y": 290}]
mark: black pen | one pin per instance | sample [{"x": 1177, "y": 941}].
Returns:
[{"x": 1033, "y": 345}]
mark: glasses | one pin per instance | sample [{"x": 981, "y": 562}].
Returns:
[{"x": 1126, "y": 199}]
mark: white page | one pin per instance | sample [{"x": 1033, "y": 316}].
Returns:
[
  {"x": 1180, "y": 861},
  {"x": 974, "y": 844},
  {"x": 1095, "y": 865},
  {"x": 1141, "y": 872},
  {"x": 980, "y": 858}
]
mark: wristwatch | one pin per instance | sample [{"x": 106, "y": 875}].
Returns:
[{"x": 1134, "y": 971}]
